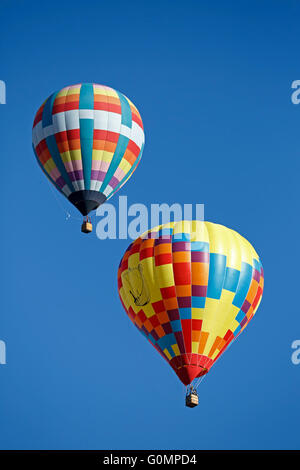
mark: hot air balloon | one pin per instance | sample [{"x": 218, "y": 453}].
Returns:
[
  {"x": 88, "y": 139},
  {"x": 190, "y": 288}
]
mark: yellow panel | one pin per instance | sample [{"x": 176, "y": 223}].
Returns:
[
  {"x": 164, "y": 275},
  {"x": 63, "y": 92},
  {"x": 227, "y": 296},
  {"x": 50, "y": 165},
  {"x": 182, "y": 227},
  {"x": 133, "y": 260},
  {"x": 167, "y": 354},
  {"x": 199, "y": 231},
  {"x": 214, "y": 355},
  {"x": 74, "y": 91},
  {"x": 176, "y": 349},
  {"x": 124, "y": 165},
  {"x": 106, "y": 156},
  {"x": 75, "y": 154},
  {"x": 198, "y": 313},
  {"x": 211, "y": 313},
  {"x": 97, "y": 155}
]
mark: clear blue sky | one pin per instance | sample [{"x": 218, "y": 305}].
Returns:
[{"x": 212, "y": 81}]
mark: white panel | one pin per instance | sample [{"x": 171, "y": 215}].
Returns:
[
  {"x": 59, "y": 122},
  {"x": 108, "y": 190},
  {"x": 137, "y": 134},
  {"x": 86, "y": 114},
  {"x": 72, "y": 119},
  {"x": 126, "y": 131},
  {"x": 107, "y": 121}
]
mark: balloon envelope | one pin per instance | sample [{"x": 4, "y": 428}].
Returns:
[
  {"x": 88, "y": 139},
  {"x": 190, "y": 288}
]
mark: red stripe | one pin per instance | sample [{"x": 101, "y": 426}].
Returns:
[
  {"x": 106, "y": 135},
  {"x": 187, "y": 334},
  {"x": 165, "y": 258},
  {"x": 73, "y": 134},
  {"x": 138, "y": 120},
  {"x": 168, "y": 292},
  {"x": 182, "y": 273},
  {"x": 196, "y": 324},
  {"x": 133, "y": 148},
  {"x": 113, "y": 108},
  {"x": 146, "y": 253}
]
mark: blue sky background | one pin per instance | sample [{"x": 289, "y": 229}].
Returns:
[{"x": 212, "y": 81}]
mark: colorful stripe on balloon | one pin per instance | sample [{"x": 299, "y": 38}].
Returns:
[{"x": 88, "y": 137}]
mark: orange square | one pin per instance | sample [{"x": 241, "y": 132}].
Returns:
[
  {"x": 130, "y": 157},
  {"x": 181, "y": 257},
  {"x": 214, "y": 346},
  {"x": 221, "y": 344},
  {"x": 160, "y": 331},
  {"x": 148, "y": 325},
  {"x": 200, "y": 274},
  {"x": 196, "y": 336},
  {"x": 171, "y": 303},
  {"x": 148, "y": 243},
  {"x": 183, "y": 291},
  {"x": 162, "y": 248},
  {"x": 163, "y": 317},
  {"x": 138, "y": 321},
  {"x": 72, "y": 98},
  {"x": 74, "y": 144},
  {"x": 252, "y": 291},
  {"x": 202, "y": 342}
]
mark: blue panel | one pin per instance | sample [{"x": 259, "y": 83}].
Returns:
[
  {"x": 198, "y": 302},
  {"x": 217, "y": 266},
  {"x": 176, "y": 325},
  {"x": 231, "y": 279},
  {"x": 185, "y": 313},
  {"x": 165, "y": 232},
  {"x": 150, "y": 337},
  {"x": 256, "y": 264},
  {"x": 243, "y": 285},
  {"x": 166, "y": 341},
  {"x": 126, "y": 111},
  {"x": 86, "y": 143},
  {"x": 47, "y": 111},
  {"x": 47, "y": 120},
  {"x": 200, "y": 246},
  {"x": 118, "y": 155},
  {"x": 240, "y": 316},
  {"x": 182, "y": 237},
  {"x": 86, "y": 97},
  {"x": 86, "y": 101},
  {"x": 237, "y": 330}
]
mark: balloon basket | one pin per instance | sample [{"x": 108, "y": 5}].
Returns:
[
  {"x": 191, "y": 400},
  {"x": 86, "y": 227}
]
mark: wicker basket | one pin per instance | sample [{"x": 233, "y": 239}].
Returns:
[
  {"x": 86, "y": 227},
  {"x": 191, "y": 400}
]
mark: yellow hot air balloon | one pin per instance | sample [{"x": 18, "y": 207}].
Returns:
[{"x": 191, "y": 288}]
